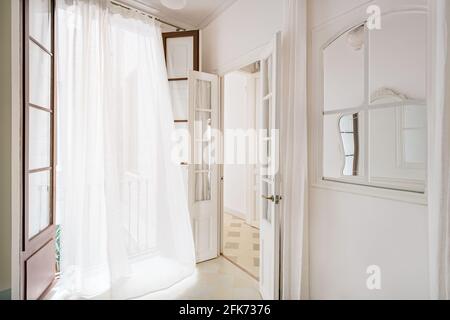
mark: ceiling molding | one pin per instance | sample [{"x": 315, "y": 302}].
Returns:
[
  {"x": 216, "y": 13},
  {"x": 145, "y": 7},
  {"x": 181, "y": 23},
  {"x": 176, "y": 20},
  {"x": 140, "y": 6}
]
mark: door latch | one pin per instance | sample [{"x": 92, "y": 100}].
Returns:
[{"x": 275, "y": 199}]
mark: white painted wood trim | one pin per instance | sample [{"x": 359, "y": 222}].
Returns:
[
  {"x": 433, "y": 220},
  {"x": 242, "y": 61},
  {"x": 16, "y": 168}
]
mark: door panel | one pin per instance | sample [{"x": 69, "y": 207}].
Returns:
[
  {"x": 182, "y": 50},
  {"x": 203, "y": 169},
  {"x": 182, "y": 54},
  {"x": 38, "y": 227},
  {"x": 268, "y": 175},
  {"x": 40, "y": 269},
  {"x": 180, "y": 57}
]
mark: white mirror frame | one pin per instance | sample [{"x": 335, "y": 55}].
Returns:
[{"x": 322, "y": 36}]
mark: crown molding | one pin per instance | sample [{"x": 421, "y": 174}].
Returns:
[
  {"x": 216, "y": 13},
  {"x": 155, "y": 12},
  {"x": 140, "y": 6},
  {"x": 188, "y": 25}
]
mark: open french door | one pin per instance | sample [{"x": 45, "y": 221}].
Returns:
[
  {"x": 203, "y": 169},
  {"x": 270, "y": 198},
  {"x": 38, "y": 222}
]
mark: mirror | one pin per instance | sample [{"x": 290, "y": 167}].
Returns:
[
  {"x": 398, "y": 146},
  {"x": 342, "y": 145},
  {"x": 349, "y": 131},
  {"x": 374, "y": 105},
  {"x": 343, "y": 65}
]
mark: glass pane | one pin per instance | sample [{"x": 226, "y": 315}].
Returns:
[
  {"x": 39, "y": 139},
  {"x": 40, "y": 76},
  {"x": 343, "y": 65},
  {"x": 267, "y": 76},
  {"x": 266, "y": 114},
  {"x": 39, "y": 200},
  {"x": 398, "y": 154},
  {"x": 202, "y": 128},
  {"x": 415, "y": 146},
  {"x": 398, "y": 56},
  {"x": 41, "y": 22},
  {"x": 348, "y": 168},
  {"x": 415, "y": 117},
  {"x": 346, "y": 123},
  {"x": 185, "y": 174},
  {"x": 342, "y": 145},
  {"x": 203, "y": 95},
  {"x": 180, "y": 100},
  {"x": 180, "y": 57},
  {"x": 182, "y": 142},
  {"x": 348, "y": 143},
  {"x": 266, "y": 204},
  {"x": 202, "y": 156},
  {"x": 202, "y": 186}
]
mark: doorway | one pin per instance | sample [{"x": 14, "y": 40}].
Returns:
[{"x": 240, "y": 227}]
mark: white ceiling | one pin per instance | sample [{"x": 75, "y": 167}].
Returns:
[{"x": 197, "y": 14}]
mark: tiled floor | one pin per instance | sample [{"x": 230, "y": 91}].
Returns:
[
  {"x": 241, "y": 244},
  {"x": 217, "y": 279}
]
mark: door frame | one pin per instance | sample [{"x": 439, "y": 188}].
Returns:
[
  {"x": 16, "y": 146},
  {"x": 250, "y": 201},
  {"x": 239, "y": 63}
]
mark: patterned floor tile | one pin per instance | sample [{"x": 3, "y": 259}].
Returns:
[{"x": 246, "y": 254}]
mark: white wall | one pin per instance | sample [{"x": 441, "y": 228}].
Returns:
[
  {"x": 243, "y": 28},
  {"x": 5, "y": 145},
  {"x": 235, "y": 118},
  {"x": 349, "y": 231}
]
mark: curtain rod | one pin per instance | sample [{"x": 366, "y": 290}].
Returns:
[{"x": 146, "y": 14}]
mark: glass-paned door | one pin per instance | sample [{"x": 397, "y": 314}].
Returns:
[
  {"x": 269, "y": 174},
  {"x": 38, "y": 248},
  {"x": 203, "y": 168}
]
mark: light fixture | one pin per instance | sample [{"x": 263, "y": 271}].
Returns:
[
  {"x": 174, "y": 4},
  {"x": 356, "y": 37}
]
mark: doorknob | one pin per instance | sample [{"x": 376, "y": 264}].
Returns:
[{"x": 275, "y": 199}]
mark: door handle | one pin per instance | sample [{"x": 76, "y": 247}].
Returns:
[{"x": 275, "y": 199}]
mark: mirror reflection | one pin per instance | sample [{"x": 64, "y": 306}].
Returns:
[
  {"x": 349, "y": 131},
  {"x": 375, "y": 114}
]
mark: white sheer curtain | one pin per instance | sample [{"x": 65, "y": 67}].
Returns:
[
  {"x": 439, "y": 159},
  {"x": 121, "y": 200},
  {"x": 295, "y": 151}
]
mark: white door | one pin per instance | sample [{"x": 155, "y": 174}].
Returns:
[
  {"x": 269, "y": 177},
  {"x": 203, "y": 168}
]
